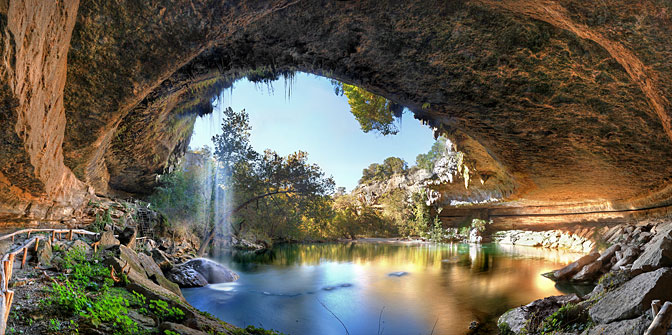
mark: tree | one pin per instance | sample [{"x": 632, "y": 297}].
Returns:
[
  {"x": 284, "y": 187},
  {"x": 438, "y": 149},
  {"x": 372, "y": 111},
  {"x": 390, "y": 166}
]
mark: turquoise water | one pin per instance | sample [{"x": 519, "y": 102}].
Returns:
[{"x": 376, "y": 288}]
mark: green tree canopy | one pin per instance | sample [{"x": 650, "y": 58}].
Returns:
[
  {"x": 427, "y": 161},
  {"x": 389, "y": 167},
  {"x": 372, "y": 111}
]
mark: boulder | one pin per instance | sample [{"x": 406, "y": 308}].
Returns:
[
  {"x": 625, "y": 327},
  {"x": 44, "y": 253},
  {"x": 148, "y": 264},
  {"x": 82, "y": 246},
  {"x": 657, "y": 253},
  {"x": 625, "y": 257},
  {"x": 127, "y": 237},
  {"x": 633, "y": 297},
  {"x": 162, "y": 260},
  {"x": 187, "y": 277},
  {"x": 154, "y": 273},
  {"x": 606, "y": 256},
  {"x": 107, "y": 240},
  {"x": 186, "y": 274},
  {"x": 588, "y": 272},
  {"x": 517, "y": 319},
  {"x": 576, "y": 266}
]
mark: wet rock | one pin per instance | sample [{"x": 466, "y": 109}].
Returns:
[
  {"x": 634, "y": 297},
  {"x": 127, "y": 237},
  {"x": 398, "y": 274},
  {"x": 576, "y": 266},
  {"x": 657, "y": 253},
  {"x": 107, "y": 240},
  {"x": 187, "y": 277},
  {"x": 625, "y": 327},
  {"x": 185, "y": 274},
  {"x": 148, "y": 264},
  {"x": 154, "y": 273},
  {"x": 141, "y": 319}
]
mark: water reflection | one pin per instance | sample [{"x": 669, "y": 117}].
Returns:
[{"x": 415, "y": 284}]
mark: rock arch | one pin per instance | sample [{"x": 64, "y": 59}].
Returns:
[{"x": 558, "y": 102}]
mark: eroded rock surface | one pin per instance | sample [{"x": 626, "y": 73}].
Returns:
[{"x": 633, "y": 297}]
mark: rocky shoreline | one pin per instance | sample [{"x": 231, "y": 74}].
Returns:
[{"x": 634, "y": 270}]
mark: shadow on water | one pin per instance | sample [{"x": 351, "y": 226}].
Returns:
[{"x": 414, "y": 286}]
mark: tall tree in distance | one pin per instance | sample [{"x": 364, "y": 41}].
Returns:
[{"x": 285, "y": 185}]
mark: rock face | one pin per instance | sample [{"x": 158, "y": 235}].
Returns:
[
  {"x": 625, "y": 327},
  {"x": 200, "y": 272},
  {"x": 108, "y": 240},
  {"x": 127, "y": 237},
  {"x": 633, "y": 297},
  {"x": 517, "y": 319},
  {"x": 527, "y": 90},
  {"x": 658, "y": 252}
]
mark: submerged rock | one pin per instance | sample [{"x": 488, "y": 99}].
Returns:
[
  {"x": 634, "y": 297},
  {"x": 200, "y": 272},
  {"x": 398, "y": 274}
]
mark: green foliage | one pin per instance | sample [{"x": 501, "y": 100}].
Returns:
[
  {"x": 170, "y": 332},
  {"x": 569, "y": 318},
  {"x": 505, "y": 329},
  {"x": 164, "y": 312},
  {"x": 390, "y": 167},
  {"x": 438, "y": 149},
  {"x": 85, "y": 274},
  {"x": 372, "y": 111},
  {"x": 111, "y": 310},
  {"x": 87, "y": 293},
  {"x": 480, "y": 224},
  {"x": 101, "y": 221},
  {"x": 271, "y": 196},
  {"x": 182, "y": 195}
]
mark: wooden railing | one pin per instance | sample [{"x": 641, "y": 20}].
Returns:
[{"x": 7, "y": 295}]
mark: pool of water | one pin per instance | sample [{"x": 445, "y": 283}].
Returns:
[{"x": 380, "y": 288}]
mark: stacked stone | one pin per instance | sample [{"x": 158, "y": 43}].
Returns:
[
  {"x": 636, "y": 270},
  {"x": 579, "y": 241}
]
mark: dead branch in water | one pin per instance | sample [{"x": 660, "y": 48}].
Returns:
[{"x": 332, "y": 313}]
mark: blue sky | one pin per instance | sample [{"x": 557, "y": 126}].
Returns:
[{"x": 317, "y": 121}]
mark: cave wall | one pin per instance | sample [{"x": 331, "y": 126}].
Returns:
[{"x": 555, "y": 102}]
